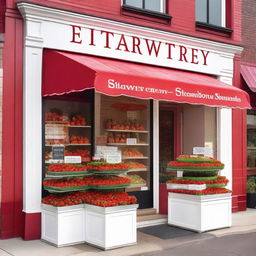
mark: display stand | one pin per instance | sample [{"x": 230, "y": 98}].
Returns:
[
  {"x": 199, "y": 213},
  {"x": 198, "y": 203},
  {"x": 111, "y": 227},
  {"x": 63, "y": 226}
]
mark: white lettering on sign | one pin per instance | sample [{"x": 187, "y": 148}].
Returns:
[
  {"x": 216, "y": 96},
  {"x": 112, "y": 84}
]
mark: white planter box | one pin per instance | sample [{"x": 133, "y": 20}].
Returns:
[
  {"x": 63, "y": 226},
  {"x": 110, "y": 227},
  {"x": 186, "y": 186},
  {"x": 199, "y": 213}
]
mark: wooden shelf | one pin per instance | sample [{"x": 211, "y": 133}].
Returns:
[
  {"x": 67, "y": 145},
  {"x": 67, "y": 125},
  {"x": 138, "y": 157},
  {"x": 138, "y": 170},
  {"x": 251, "y": 148},
  {"x": 124, "y": 144},
  {"x": 135, "y": 131}
]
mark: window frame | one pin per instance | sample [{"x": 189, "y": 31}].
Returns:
[
  {"x": 162, "y": 6},
  {"x": 223, "y": 14}
]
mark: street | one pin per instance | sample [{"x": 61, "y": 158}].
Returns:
[{"x": 232, "y": 245}]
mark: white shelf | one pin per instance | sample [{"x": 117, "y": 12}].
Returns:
[
  {"x": 136, "y": 131},
  {"x": 80, "y": 126},
  {"x": 138, "y": 157},
  {"x": 66, "y": 125},
  {"x": 67, "y": 145},
  {"x": 137, "y": 185},
  {"x": 125, "y": 144}
]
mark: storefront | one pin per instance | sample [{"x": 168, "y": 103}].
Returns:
[{"x": 127, "y": 83}]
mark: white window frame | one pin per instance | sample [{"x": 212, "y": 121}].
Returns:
[
  {"x": 223, "y": 13},
  {"x": 162, "y": 6}
]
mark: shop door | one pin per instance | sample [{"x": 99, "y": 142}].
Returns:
[{"x": 169, "y": 138}]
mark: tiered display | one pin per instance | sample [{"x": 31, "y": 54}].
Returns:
[
  {"x": 200, "y": 194},
  {"x": 102, "y": 179}
]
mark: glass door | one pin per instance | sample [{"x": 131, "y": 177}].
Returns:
[{"x": 124, "y": 124}]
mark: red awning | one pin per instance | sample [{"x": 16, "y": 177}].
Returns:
[
  {"x": 249, "y": 75},
  {"x": 64, "y": 73}
]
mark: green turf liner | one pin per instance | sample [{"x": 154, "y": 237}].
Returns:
[
  {"x": 194, "y": 168},
  {"x": 200, "y": 178},
  {"x": 73, "y": 188},
  {"x": 194, "y": 160},
  {"x": 217, "y": 185},
  {"x": 110, "y": 186},
  {"x": 68, "y": 173}
]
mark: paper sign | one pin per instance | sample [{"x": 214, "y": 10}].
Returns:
[
  {"x": 131, "y": 141},
  {"x": 58, "y": 152},
  {"x": 113, "y": 158},
  {"x": 206, "y": 151},
  {"x": 105, "y": 149},
  {"x": 72, "y": 160},
  {"x": 98, "y": 156}
]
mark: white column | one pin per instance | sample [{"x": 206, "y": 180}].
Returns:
[
  {"x": 156, "y": 154},
  {"x": 32, "y": 118},
  {"x": 225, "y": 137}
]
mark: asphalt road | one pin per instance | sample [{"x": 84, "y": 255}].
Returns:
[{"x": 233, "y": 245}]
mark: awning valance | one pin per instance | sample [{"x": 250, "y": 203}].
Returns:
[
  {"x": 249, "y": 75},
  {"x": 64, "y": 73}
]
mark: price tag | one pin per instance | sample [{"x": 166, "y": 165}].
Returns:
[
  {"x": 105, "y": 149},
  {"x": 131, "y": 141},
  {"x": 58, "y": 152},
  {"x": 113, "y": 158},
  {"x": 206, "y": 151},
  {"x": 72, "y": 160}
]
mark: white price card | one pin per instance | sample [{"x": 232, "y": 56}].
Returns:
[
  {"x": 131, "y": 141},
  {"x": 206, "y": 151},
  {"x": 113, "y": 158},
  {"x": 73, "y": 160}
]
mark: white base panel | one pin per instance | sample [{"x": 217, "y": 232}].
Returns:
[
  {"x": 63, "y": 226},
  {"x": 110, "y": 227},
  {"x": 199, "y": 213}
]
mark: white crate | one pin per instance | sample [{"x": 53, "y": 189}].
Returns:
[
  {"x": 111, "y": 227},
  {"x": 199, "y": 213},
  {"x": 63, "y": 226}
]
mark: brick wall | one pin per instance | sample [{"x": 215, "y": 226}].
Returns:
[{"x": 249, "y": 31}]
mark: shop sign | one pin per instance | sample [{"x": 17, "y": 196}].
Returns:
[
  {"x": 58, "y": 152},
  {"x": 206, "y": 151},
  {"x": 104, "y": 39}
]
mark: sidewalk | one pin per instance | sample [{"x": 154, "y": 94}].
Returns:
[{"x": 243, "y": 222}]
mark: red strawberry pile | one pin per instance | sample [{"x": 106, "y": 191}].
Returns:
[
  {"x": 220, "y": 180},
  {"x": 177, "y": 164},
  {"x": 97, "y": 181},
  {"x": 66, "y": 168},
  {"x": 64, "y": 183},
  {"x": 94, "y": 198},
  {"x": 73, "y": 198},
  {"x": 207, "y": 191},
  {"x": 109, "y": 199},
  {"x": 84, "y": 182},
  {"x": 106, "y": 166}
]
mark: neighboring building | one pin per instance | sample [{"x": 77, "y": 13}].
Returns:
[
  {"x": 248, "y": 79},
  {"x": 49, "y": 46}
]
